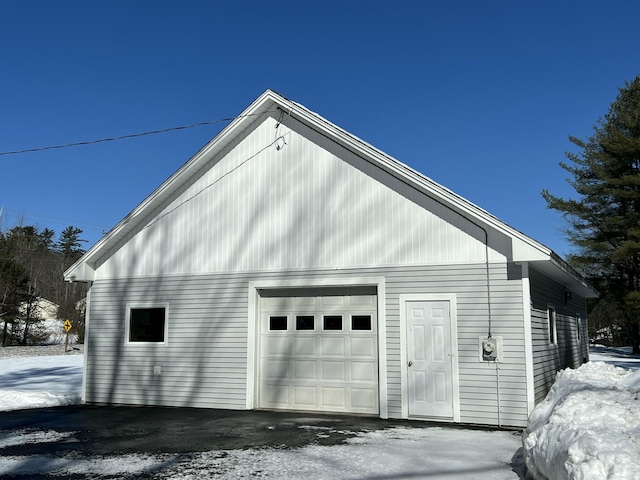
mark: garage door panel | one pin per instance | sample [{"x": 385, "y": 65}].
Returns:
[
  {"x": 276, "y": 346},
  {"x": 332, "y": 301},
  {"x": 277, "y": 396},
  {"x": 327, "y": 361},
  {"x": 334, "y": 398},
  {"x": 363, "y": 347},
  {"x": 305, "y": 370},
  {"x": 333, "y": 346},
  {"x": 276, "y": 370},
  {"x": 363, "y": 371},
  {"x": 304, "y": 302},
  {"x": 304, "y": 345},
  {"x": 364, "y": 399},
  {"x": 363, "y": 300},
  {"x": 305, "y": 397},
  {"x": 334, "y": 370},
  {"x": 278, "y": 302}
]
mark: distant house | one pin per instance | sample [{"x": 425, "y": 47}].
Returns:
[
  {"x": 40, "y": 308},
  {"x": 290, "y": 265}
]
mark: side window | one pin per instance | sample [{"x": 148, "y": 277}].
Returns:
[
  {"x": 551, "y": 319},
  {"x": 146, "y": 324},
  {"x": 578, "y": 321}
]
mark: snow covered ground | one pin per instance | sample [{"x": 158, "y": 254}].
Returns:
[
  {"x": 587, "y": 428},
  {"x": 39, "y": 381}
]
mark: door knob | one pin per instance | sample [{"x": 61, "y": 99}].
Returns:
[{"x": 410, "y": 363}]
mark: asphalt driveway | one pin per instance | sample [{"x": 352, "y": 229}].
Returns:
[
  {"x": 66, "y": 438},
  {"x": 125, "y": 429}
]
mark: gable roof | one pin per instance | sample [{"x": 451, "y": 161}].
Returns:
[{"x": 524, "y": 248}]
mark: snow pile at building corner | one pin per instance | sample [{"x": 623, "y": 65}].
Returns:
[{"x": 588, "y": 427}]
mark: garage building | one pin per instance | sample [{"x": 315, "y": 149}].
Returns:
[{"x": 290, "y": 265}]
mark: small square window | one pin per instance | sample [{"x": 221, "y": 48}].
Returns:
[
  {"x": 147, "y": 324},
  {"x": 277, "y": 323},
  {"x": 304, "y": 322},
  {"x": 333, "y": 322},
  {"x": 361, "y": 322}
]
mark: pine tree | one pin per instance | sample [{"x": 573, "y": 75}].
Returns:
[
  {"x": 70, "y": 243},
  {"x": 603, "y": 222}
]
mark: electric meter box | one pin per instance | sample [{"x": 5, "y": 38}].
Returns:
[{"x": 490, "y": 349}]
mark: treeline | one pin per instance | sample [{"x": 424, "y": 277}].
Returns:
[{"x": 32, "y": 263}]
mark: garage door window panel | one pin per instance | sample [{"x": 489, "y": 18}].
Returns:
[
  {"x": 277, "y": 322},
  {"x": 305, "y": 322},
  {"x": 361, "y": 322},
  {"x": 332, "y": 322}
]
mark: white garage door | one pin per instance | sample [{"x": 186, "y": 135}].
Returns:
[{"x": 319, "y": 350}]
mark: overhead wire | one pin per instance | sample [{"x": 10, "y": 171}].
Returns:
[
  {"x": 20, "y": 215},
  {"x": 123, "y": 137},
  {"x": 276, "y": 142}
]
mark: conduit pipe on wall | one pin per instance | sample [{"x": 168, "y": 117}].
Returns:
[{"x": 498, "y": 392}]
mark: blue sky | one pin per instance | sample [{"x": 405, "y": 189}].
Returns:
[{"x": 478, "y": 96}]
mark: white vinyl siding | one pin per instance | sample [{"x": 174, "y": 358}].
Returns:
[
  {"x": 311, "y": 204},
  {"x": 205, "y": 363},
  {"x": 567, "y": 351}
]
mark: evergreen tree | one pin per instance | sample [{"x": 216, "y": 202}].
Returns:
[
  {"x": 14, "y": 281},
  {"x": 31, "y": 269},
  {"x": 70, "y": 243},
  {"x": 603, "y": 222}
]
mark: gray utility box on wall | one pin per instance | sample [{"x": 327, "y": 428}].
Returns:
[{"x": 490, "y": 349}]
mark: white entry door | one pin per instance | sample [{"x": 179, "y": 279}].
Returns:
[{"x": 429, "y": 365}]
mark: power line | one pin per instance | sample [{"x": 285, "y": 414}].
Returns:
[
  {"x": 22, "y": 215},
  {"x": 123, "y": 137}
]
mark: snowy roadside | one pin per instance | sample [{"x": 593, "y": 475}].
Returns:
[
  {"x": 44, "y": 380},
  {"x": 40, "y": 351}
]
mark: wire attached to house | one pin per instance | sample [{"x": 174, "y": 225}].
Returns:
[
  {"x": 279, "y": 140},
  {"x": 123, "y": 137}
]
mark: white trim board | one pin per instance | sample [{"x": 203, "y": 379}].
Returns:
[{"x": 528, "y": 337}]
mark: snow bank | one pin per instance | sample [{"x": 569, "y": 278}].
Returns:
[
  {"x": 38, "y": 382},
  {"x": 588, "y": 427}
]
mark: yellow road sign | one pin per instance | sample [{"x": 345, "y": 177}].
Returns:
[{"x": 67, "y": 325}]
